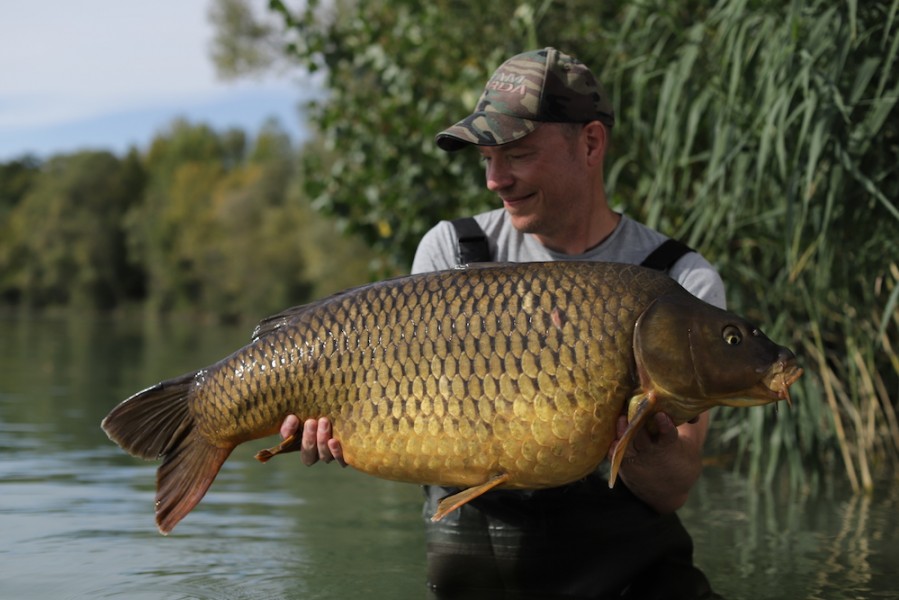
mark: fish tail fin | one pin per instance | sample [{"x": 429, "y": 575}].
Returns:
[
  {"x": 184, "y": 478},
  {"x": 157, "y": 423}
]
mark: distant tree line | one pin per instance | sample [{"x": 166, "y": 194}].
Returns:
[{"x": 202, "y": 220}]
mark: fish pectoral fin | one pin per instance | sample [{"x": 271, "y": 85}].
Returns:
[
  {"x": 451, "y": 503},
  {"x": 291, "y": 443},
  {"x": 639, "y": 409}
]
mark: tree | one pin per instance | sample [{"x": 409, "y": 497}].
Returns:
[
  {"x": 170, "y": 225},
  {"x": 65, "y": 241},
  {"x": 253, "y": 263},
  {"x": 16, "y": 178},
  {"x": 222, "y": 229}
]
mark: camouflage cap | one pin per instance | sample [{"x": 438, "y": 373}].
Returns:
[{"x": 530, "y": 88}]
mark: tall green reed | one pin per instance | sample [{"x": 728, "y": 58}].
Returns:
[{"x": 766, "y": 134}]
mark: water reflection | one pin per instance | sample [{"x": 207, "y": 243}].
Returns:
[
  {"x": 781, "y": 543},
  {"x": 77, "y": 513}
]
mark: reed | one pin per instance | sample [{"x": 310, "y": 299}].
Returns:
[{"x": 766, "y": 135}]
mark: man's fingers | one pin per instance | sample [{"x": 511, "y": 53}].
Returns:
[
  {"x": 289, "y": 426},
  {"x": 621, "y": 426},
  {"x": 309, "y": 448},
  {"x": 336, "y": 451},
  {"x": 667, "y": 430},
  {"x": 643, "y": 441},
  {"x": 322, "y": 437},
  {"x": 316, "y": 443}
]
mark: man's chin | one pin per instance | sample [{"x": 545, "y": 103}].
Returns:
[
  {"x": 525, "y": 223},
  {"x": 522, "y": 215}
]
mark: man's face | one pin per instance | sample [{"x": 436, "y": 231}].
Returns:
[{"x": 542, "y": 179}]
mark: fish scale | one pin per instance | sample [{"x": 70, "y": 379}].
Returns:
[{"x": 506, "y": 375}]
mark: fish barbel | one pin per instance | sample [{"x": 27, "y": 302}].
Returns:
[{"x": 488, "y": 376}]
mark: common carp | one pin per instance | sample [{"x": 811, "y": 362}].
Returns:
[{"x": 482, "y": 377}]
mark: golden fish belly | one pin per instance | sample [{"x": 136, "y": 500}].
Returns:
[
  {"x": 449, "y": 378},
  {"x": 464, "y": 454}
]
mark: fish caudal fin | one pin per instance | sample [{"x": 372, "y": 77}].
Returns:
[
  {"x": 639, "y": 410},
  {"x": 451, "y": 503},
  {"x": 184, "y": 477},
  {"x": 156, "y": 423}
]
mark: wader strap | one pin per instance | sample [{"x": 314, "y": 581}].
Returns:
[
  {"x": 664, "y": 257},
  {"x": 473, "y": 246}
]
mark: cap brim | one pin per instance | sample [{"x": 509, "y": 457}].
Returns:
[{"x": 485, "y": 128}]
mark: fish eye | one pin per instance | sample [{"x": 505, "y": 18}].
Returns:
[{"x": 732, "y": 335}]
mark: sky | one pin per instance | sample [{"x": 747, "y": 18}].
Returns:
[{"x": 110, "y": 74}]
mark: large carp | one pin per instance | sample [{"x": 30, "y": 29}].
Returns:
[{"x": 487, "y": 376}]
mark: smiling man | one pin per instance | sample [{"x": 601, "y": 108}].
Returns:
[{"x": 542, "y": 126}]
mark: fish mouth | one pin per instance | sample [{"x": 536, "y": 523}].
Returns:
[
  {"x": 780, "y": 377},
  {"x": 774, "y": 385}
]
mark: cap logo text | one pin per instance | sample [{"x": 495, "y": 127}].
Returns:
[{"x": 510, "y": 83}]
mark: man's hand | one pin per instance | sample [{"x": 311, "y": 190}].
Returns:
[
  {"x": 660, "y": 468},
  {"x": 317, "y": 443},
  {"x": 644, "y": 445}
]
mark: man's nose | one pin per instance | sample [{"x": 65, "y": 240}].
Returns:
[{"x": 498, "y": 174}]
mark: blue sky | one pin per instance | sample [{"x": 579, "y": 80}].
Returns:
[{"x": 111, "y": 73}]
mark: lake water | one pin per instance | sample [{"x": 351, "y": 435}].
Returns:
[{"x": 76, "y": 513}]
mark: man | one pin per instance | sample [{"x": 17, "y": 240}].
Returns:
[{"x": 542, "y": 128}]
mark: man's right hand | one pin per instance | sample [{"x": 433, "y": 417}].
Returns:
[{"x": 317, "y": 444}]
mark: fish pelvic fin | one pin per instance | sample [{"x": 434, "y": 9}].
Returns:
[
  {"x": 157, "y": 423},
  {"x": 292, "y": 443},
  {"x": 640, "y": 408},
  {"x": 451, "y": 503}
]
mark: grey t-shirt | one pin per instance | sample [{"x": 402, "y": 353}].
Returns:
[{"x": 631, "y": 243}]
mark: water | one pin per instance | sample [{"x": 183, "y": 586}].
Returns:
[{"x": 76, "y": 513}]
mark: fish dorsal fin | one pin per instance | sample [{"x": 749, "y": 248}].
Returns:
[
  {"x": 293, "y": 314},
  {"x": 282, "y": 319}
]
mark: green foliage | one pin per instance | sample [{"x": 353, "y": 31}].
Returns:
[
  {"x": 207, "y": 222},
  {"x": 169, "y": 228},
  {"x": 390, "y": 90},
  {"x": 16, "y": 178},
  {"x": 220, "y": 227},
  {"x": 243, "y": 41},
  {"x": 62, "y": 242},
  {"x": 762, "y": 132},
  {"x": 773, "y": 145}
]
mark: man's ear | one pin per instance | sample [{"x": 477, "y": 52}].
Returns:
[{"x": 596, "y": 137}]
